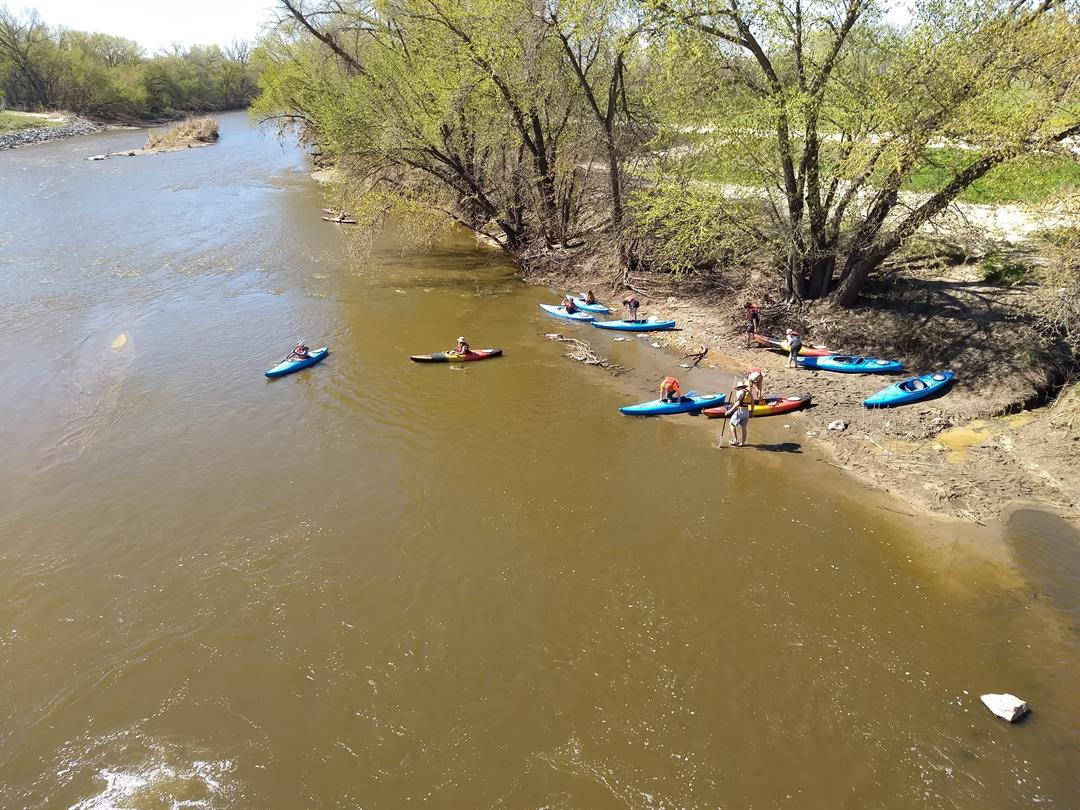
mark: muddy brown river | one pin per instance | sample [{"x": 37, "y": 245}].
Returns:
[{"x": 378, "y": 584}]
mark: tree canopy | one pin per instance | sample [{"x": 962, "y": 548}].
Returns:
[
  {"x": 544, "y": 124},
  {"x": 108, "y": 77}
]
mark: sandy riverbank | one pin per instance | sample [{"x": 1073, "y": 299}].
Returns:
[{"x": 968, "y": 454}]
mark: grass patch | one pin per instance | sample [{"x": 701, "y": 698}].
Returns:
[
  {"x": 999, "y": 270},
  {"x": 13, "y": 121},
  {"x": 188, "y": 131},
  {"x": 1028, "y": 179}
]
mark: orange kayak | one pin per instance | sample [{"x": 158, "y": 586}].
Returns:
[
  {"x": 770, "y": 406},
  {"x": 807, "y": 350}
]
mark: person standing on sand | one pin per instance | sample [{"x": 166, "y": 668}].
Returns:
[
  {"x": 794, "y": 343},
  {"x": 753, "y": 321},
  {"x": 739, "y": 408}
]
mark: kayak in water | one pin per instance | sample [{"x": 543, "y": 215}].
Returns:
[
  {"x": 692, "y": 402},
  {"x": 851, "y": 365},
  {"x": 807, "y": 350},
  {"x": 341, "y": 220},
  {"x": 560, "y": 312},
  {"x": 289, "y": 366},
  {"x": 597, "y": 307},
  {"x": 769, "y": 406},
  {"x": 455, "y": 357},
  {"x": 913, "y": 390},
  {"x": 635, "y": 326}
]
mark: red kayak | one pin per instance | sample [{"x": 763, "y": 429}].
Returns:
[
  {"x": 770, "y": 406},
  {"x": 454, "y": 357},
  {"x": 807, "y": 350}
]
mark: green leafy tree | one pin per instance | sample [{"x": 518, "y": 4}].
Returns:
[{"x": 820, "y": 111}]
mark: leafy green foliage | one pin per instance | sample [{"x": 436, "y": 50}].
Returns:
[{"x": 108, "y": 77}]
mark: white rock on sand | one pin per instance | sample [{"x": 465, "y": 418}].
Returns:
[{"x": 1007, "y": 707}]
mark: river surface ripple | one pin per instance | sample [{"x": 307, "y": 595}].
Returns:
[{"x": 378, "y": 584}]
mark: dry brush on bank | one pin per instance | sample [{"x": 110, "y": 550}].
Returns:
[{"x": 190, "y": 131}]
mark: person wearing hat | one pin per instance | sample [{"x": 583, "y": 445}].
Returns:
[
  {"x": 462, "y": 347},
  {"x": 794, "y": 345},
  {"x": 739, "y": 408}
]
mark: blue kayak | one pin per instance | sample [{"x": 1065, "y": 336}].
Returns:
[
  {"x": 912, "y": 390},
  {"x": 597, "y": 307},
  {"x": 692, "y": 402},
  {"x": 635, "y": 326},
  {"x": 289, "y": 366},
  {"x": 560, "y": 312},
  {"x": 851, "y": 365}
]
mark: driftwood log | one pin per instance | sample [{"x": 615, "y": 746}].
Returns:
[{"x": 582, "y": 352}]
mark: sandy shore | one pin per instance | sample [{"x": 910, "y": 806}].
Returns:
[{"x": 964, "y": 455}]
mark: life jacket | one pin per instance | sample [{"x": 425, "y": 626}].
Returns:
[
  {"x": 462, "y": 348},
  {"x": 301, "y": 350},
  {"x": 670, "y": 384},
  {"x": 741, "y": 400},
  {"x": 570, "y": 307}
]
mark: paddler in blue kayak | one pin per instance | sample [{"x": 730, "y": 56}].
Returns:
[
  {"x": 590, "y": 298},
  {"x": 670, "y": 390},
  {"x": 301, "y": 352},
  {"x": 569, "y": 305}
]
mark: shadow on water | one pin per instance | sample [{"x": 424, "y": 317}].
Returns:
[
  {"x": 1047, "y": 548},
  {"x": 781, "y": 447}
]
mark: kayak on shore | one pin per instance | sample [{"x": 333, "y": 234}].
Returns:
[
  {"x": 692, "y": 402},
  {"x": 454, "y": 357},
  {"x": 290, "y": 366},
  {"x": 769, "y": 406},
  {"x": 807, "y": 350},
  {"x": 345, "y": 221},
  {"x": 906, "y": 391},
  {"x": 851, "y": 365},
  {"x": 635, "y": 326},
  {"x": 560, "y": 312},
  {"x": 598, "y": 308}
]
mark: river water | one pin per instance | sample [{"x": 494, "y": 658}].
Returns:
[{"x": 378, "y": 584}]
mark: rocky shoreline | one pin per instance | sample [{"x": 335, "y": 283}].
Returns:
[{"x": 79, "y": 126}]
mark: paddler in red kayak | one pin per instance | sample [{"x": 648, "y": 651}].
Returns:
[
  {"x": 670, "y": 390},
  {"x": 462, "y": 347}
]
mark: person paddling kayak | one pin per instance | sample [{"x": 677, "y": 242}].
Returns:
[
  {"x": 590, "y": 298},
  {"x": 570, "y": 306},
  {"x": 301, "y": 352},
  {"x": 670, "y": 390},
  {"x": 462, "y": 347}
]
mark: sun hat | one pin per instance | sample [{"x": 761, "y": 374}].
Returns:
[{"x": 461, "y": 340}]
